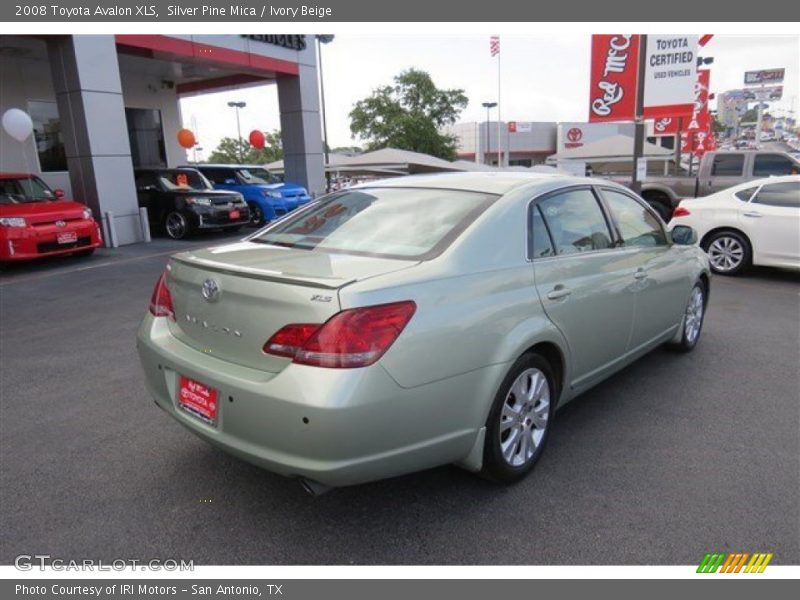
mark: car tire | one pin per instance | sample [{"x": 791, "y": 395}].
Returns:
[
  {"x": 256, "y": 215},
  {"x": 693, "y": 318},
  {"x": 729, "y": 252},
  {"x": 520, "y": 420},
  {"x": 177, "y": 225}
]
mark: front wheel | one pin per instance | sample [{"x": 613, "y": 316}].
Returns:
[
  {"x": 256, "y": 215},
  {"x": 177, "y": 225},
  {"x": 728, "y": 252},
  {"x": 693, "y": 317},
  {"x": 519, "y": 421}
]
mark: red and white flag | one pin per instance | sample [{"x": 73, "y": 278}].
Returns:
[{"x": 494, "y": 45}]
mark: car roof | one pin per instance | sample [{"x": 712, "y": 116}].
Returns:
[{"x": 489, "y": 183}]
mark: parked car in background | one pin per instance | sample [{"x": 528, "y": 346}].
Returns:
[
  {"x": 268, "y": 197},
  {"x": 717, "y": 171},
  {"x": 371, "y": 334},
  {"x": 36, "y": 221},
  {"x": 182, "y": 202},
  {"x": 754, "y": 223}
]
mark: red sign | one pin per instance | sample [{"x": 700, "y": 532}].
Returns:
[
  {"x": 666, "y": 125},
  {"x": 574, "y": 137},
  {"x": 700, "y": 120},
  {"x": 198, "y": 398},
  {"x": 512, "y": 127},
  {"x": 615, "y": 61}
]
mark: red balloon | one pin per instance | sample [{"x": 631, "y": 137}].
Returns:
[
  {"x": 257, "y": 139},
  {"x": 186, "y": 138}
]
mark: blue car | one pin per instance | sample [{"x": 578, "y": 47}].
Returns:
[{"x": 268, "y": 197}]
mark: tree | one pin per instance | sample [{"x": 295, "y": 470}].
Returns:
[
  {"x": 408, "y": 115},
  {"x": 230, "y": 149}
]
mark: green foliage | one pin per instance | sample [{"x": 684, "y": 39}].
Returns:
[
  {"x": 408, "y": 115},
  {"x": 230, "y": 150}
]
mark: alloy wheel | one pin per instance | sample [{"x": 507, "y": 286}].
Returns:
[
  {"x": 726, "y": 253},
  {"x": 524, "y": 417},
  {"x": 693, "y": 318},
  {"x": 176, "y": 225}
]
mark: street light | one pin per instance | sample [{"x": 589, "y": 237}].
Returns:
[
  {"x": 237, "y": 106},
  {"x": 324, "y": 39},
  {"x": 489, "y": 106}
]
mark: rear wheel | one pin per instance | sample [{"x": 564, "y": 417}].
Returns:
[
  {"x": 728, "y": 252},
  {"x": 693, "y": 317},
  {"x": 519, "y": 422},
  {"x": 660, "y": 203},
  {"x": 177, "y": 225}
]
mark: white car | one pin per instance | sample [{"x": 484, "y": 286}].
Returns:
[{"x": 755, "y": 223}]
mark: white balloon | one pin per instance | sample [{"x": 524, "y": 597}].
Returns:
[{"x": 17, "y": 124}]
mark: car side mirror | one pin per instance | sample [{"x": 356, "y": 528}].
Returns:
[
  {"x": 683, "y": 235},
  {"x": 58, "y": 193}
]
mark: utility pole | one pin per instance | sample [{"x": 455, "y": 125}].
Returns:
[
  {"x": 237, "y": 106},
  {"x": 489, "y": 106},
  {"x": 324, "y": 39},
  {"x": 638, "y": 137}
]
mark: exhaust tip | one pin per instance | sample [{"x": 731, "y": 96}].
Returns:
[{"x": 314, "y": 488}]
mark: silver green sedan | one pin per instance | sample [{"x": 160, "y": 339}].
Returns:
[{"x": 417, "y": 322}]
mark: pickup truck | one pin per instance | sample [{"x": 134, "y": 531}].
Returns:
[{"x": 717, "y": 171}]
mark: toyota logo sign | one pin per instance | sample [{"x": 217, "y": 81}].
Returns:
[
  {"x": 210, "y": 290},
  {"x": 574, "y": 134}
]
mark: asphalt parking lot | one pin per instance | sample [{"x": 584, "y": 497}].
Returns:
[{"x": 675, "y": 456}]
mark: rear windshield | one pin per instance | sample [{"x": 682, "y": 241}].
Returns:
[{"x": 407, "y": 223}]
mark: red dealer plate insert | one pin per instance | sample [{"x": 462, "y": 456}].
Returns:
[
  {"x": 68, "y": 237},
  {"x": 235, "y": 214},
  {"x": 198, "y": 399}
]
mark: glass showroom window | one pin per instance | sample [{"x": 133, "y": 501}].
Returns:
[{"x": 47, "y": 132}]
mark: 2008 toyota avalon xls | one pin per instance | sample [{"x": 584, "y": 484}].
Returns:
[{"x": 418, "y": 322}]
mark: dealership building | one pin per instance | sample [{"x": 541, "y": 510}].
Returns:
[
  {"x": 103, "y": 105},
  {"x": 519, "y": 144}
]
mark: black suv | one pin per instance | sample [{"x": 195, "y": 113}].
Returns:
[{"x": 182, "y": 202}]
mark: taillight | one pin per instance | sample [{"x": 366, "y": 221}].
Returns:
[
  {"x": 355, "y": 337},
  {"x": 161, "y": 300},
  {"x": 681, "y": 211}
]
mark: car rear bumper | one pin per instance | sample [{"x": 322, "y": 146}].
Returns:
[
  {"x": 37, "y": 241},
  {"x": 333, "y": 426}
]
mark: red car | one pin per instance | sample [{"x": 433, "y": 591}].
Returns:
[{"x": 36, "y": 221}]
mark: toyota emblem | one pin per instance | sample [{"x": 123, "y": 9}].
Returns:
[
  {"x": 61, "y": 224},
  {"x": 210, "y": 290}
]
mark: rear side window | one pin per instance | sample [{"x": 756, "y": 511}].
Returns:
[
  {"x": 637, "y": 225},
  {"x": 541, "y": 244},
  {"x": 779, "y": 194},
  {"x": 407, "y": 223},
  {"x": 772, "y": 164},
  {"x": 746, "y": 194},
  {"x": 575, "y": 222},
  {"x": 218, "y": 176},
  {"x": 728, "y": 164}
]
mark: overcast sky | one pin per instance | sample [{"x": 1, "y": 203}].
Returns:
[{"x": 543, "y": 78}]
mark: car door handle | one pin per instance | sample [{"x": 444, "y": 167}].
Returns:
[
  {"x": 558, "y": 292},
  {"x": 753, "y": 214},
  {"x": 640, "y": 274}
]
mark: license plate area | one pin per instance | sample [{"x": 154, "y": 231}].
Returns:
[
  {"x": 67, "y": 237},
  {"x": 234, "y": 214},
  {"x": 198, "y": 400}
]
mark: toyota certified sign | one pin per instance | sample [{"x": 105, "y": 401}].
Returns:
[{"x": 670, "y": 74}]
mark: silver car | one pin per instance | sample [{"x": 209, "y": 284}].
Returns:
[{"x": 417, "y": 322}]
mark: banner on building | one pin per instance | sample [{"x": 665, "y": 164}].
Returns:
[
  {"x": 520, "y": 127},
  {"x": 670, "y": 74},
  {"x": 615, "y": 60}
]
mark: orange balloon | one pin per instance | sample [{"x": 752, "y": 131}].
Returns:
[{"x": 186, "y": 138}]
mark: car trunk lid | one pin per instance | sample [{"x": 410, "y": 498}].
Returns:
[{"x": 259, "y": 290}]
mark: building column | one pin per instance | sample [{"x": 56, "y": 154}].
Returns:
[
  {"x": 88, "y": 90},
  {"x": 301, "y": 130}
]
